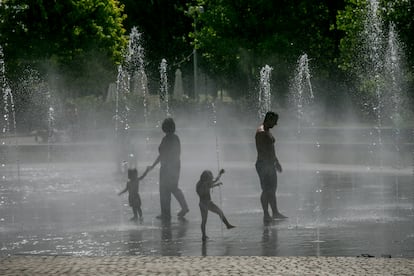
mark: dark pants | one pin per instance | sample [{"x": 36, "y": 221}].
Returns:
[
  {"x": 268, "y": 182},
  {"x": 169, "y": 177}
]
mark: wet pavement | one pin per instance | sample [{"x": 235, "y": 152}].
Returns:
[{"x": 72, "y": 209}]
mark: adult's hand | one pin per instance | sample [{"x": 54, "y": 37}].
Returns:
[{"x": 278, "y": 167}]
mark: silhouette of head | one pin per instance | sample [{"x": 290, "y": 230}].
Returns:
[
  {"x": 206, "y": 176},
  {"x": 132, "y": 173},
  {"x": 168, "y": 125},
  {"x": 270, "y": 119}
]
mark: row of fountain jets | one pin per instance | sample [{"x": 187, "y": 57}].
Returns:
[{"x": 301, "y": 87}]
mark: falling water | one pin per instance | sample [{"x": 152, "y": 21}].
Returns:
[
  {"x": 301, "y": 84},
  {"x": 265, "y": 95},
  {"x": 393, "y": 73},
  {"x": 214, "y": 110},
  {"x": 164, "y": 105},
  {"x": 122, "y": 90},
  {"x": 127, "y": 156},
  {"x": 135, "y": 60},
  {"x": 302, "y": 95},
  {"x": 9, "y": 112},
  {"x": 50, "y": 130},
  {"x": 373, "y": 40}
]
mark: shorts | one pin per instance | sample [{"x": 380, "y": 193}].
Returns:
[{"x": 267, "y": 175}]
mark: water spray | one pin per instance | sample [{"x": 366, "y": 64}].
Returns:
[
  {"x": 301, "y": 83},
  {"x": 164, "y": 101},
  {"x": 265, "y": 95},
  {"x": 213, "y": 106},
  {"x": 8, "y": 101}
]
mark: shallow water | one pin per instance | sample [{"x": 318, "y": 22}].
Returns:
[{"x": 74, "y": 209}]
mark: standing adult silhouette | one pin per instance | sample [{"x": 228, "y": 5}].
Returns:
[
  {"x": 266, "y": 166},
  {"x": 170, "y": 165}
]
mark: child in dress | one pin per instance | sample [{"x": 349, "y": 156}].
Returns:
[
  {"x": 203, "y": 187},
  {"x": 132, "y": 187}
]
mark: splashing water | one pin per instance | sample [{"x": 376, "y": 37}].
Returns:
[
  {"x": 301, "y": 84},
  {"x": 393, "y": 74},
  {"x": 301, "y": 95},
  {"x": 373, "y": 44},
  {"x": 135, "y": 60},
  {"x": 164, "y": 105},
  {"x": 122, "y": 89},
  {"x": 265, "y": 95},
  {"x": 9, "y": 111}
]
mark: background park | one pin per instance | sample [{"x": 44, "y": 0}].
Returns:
[{"x": 86, "y": 84}]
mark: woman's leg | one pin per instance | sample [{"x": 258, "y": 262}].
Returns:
[
  {"x": 178, "y": 194},
  {"x": 135, "y": 212},
  {"x": 165, "y": 201}
]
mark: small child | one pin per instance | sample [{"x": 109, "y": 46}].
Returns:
[
  {"x": 203, "y": 187},
  {"x": 133, "y": 192}
]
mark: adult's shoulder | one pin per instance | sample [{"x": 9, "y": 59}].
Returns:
[{"x": 260, "y": 132}]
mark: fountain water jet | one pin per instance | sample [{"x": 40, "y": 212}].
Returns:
[
  {"x": 393, "y": 76},
  {"x": 8, "y": 101},
  {"x": 264, "y": 100},
  {"x": 301, "y": 84},
  {"x": 373, "y": 37},
  {"x": 164, "y": 97},
  {"x": 301, "y": 96}
]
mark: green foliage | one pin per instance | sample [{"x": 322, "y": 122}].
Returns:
[
  {"x": 237, "y": 38},
  {"x": 351, "y": 22},
  {"x": 77, "y": 39},
  {"x": 363, "y": 57},
  {"x": 164, "y": 27}
]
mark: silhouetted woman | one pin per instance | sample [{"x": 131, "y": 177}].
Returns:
[{"x": 169, "y": 158}]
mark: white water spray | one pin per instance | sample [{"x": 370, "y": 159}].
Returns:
[{"x": 264, "y": 100}]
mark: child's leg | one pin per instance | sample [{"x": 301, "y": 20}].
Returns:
[
  {"x": 204, "y": 214},
  {"x": 139, "y": 207},
  {"x": 215, "y": 209}
]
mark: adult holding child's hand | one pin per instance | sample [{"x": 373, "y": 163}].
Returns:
[{"x": 169, "y": 158}]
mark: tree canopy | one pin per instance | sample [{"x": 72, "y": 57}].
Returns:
[
  {"x": 83, "y": 40},
  {"x": 78, "y": 40}
]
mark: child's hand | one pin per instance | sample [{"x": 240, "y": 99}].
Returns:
[{"x": 221, "y": 171}]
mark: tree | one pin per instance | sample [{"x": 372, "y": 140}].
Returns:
[
  {"x": 237, "y": 38},
  {"x": 77, "y": 43},
  {"x": 164, "y": 27},
  {"x": 357, "y": 59},
  {"x": 350, "y": 21}
]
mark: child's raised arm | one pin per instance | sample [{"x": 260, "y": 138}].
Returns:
[
  {"x": 215, "y": 183},
  {"x": 218, "y": 176}
]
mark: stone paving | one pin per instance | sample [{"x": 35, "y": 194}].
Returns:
[{"x": 239, "y": 265}]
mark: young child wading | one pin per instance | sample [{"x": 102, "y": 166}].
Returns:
[
  {"x": 132, "y": 187},
  {"x": 204, "y": 185}
]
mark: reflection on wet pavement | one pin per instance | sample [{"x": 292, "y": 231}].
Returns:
[{"x": 74, "y": 210}]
